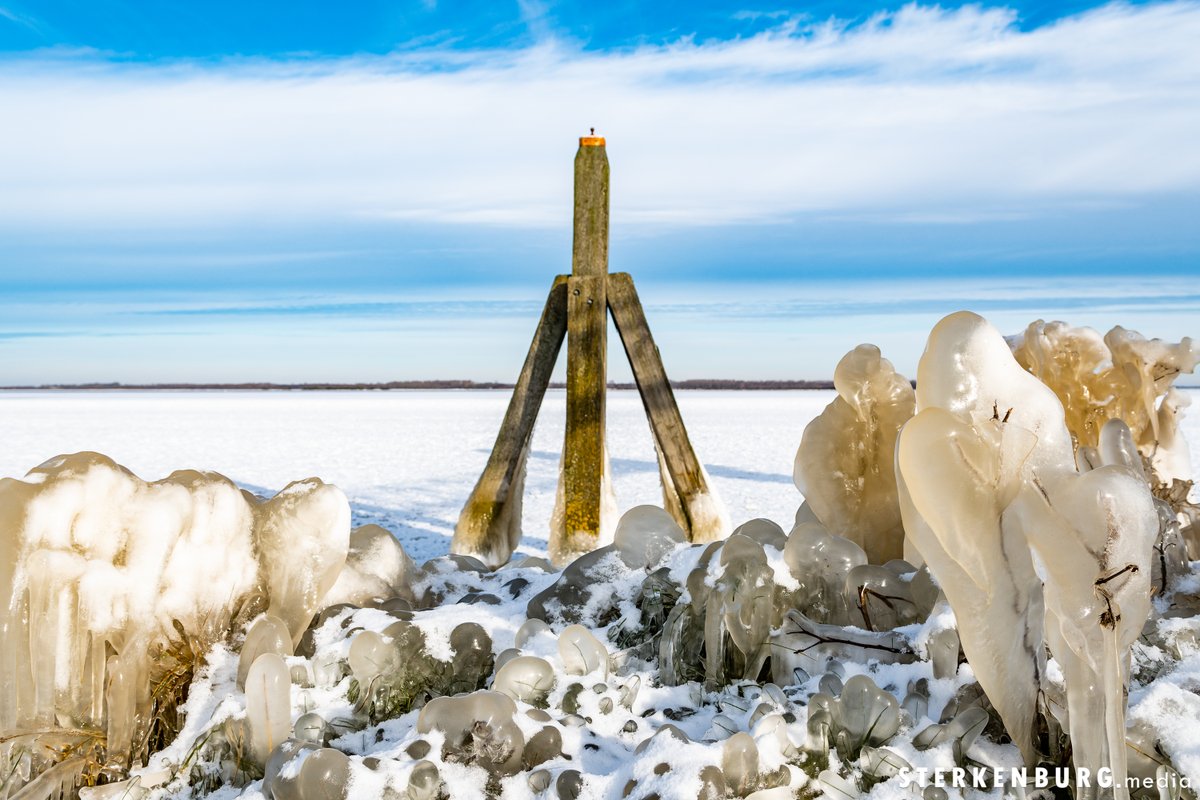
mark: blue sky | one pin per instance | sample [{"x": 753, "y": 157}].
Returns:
[{"x": 372, "y": 191}]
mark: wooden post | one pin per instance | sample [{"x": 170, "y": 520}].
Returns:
[
  {"x": 587, "y": 344},
  {"x": 489, "y": 526}
]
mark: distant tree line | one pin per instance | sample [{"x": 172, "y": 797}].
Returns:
[{"x": 699, "y": 383}]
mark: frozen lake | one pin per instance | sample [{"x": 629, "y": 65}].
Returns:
[{"x": 408, "y": 459}]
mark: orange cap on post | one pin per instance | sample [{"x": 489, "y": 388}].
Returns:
[{"x": 591, "y": 141}]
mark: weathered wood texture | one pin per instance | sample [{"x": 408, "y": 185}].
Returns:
[
  {"x": 486, "y": 526},
  {"x": 681, "y": 467},
  {"x": 589, "y": 251},
  {"x": 587, "y": 350}
]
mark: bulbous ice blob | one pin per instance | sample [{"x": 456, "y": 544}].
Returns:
[
  {"x": 276, "y": 784},
  {"x": 646, "y": 534},
  {"x": 300, "y": 771},
  {"x": 370, "y": 657},
  {"x": 739, "y": 763},
  {"x": 268, "y": 705},
  {"x": 845, "y": 466},
  {"x": 529, "y": 629},
  {"x": 543, "y": 746},
  {"x": 268, "y": 634},
  {"x": 376, "y": 567},
  {"x": 739, "y": 609},
  {"x": 581, "y": 652},
  {"x": 473, "y": 659},
  {"x": 1170, "y": 550},
  {"x": 525, "y": 678},
  {"x": 764, "y": 531},
  {"x": 712, "y": 784},
  {"x": 880, "y": 598},
  {"x": 479, "y": 730},
  {"x": 312, "y": 727},
  {"x": 968, "y": 370},
  {"x": 424, "y": 782},
  {"x": 1117, "y": 448},
  {"x": 820, "y": 562},
  {"x": 866, "y": 715},
  {"x": 570, "y": 593},
  {"x": 962, "y": 729},
  {"x": 881, "y": 763}
]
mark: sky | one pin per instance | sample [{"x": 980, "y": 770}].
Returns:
[{"x": 307, "y": 191}]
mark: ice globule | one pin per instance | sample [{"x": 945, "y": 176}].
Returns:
[
  {"x": 304, "y": 771},
  {"x": 376, "y": 568},
  {"x": 984, "y": 426},
  {"x": 525, "y": 678},
  {"x": 267, "y": 634},
  {"x": 880, "y": 598},
  {"x": 764, "y": 531},
  {"x": 845, "y": 466},
  {"x": 479, "y": 729},
  {"x": 581, "y": 652},
  {"x": 100, "y": 562},
  {"x": 821, "y": 561},
  {"x": 268, "y": 705},
  {"x": 645, "y": 535},
  {"x": 863, "y": 714}
]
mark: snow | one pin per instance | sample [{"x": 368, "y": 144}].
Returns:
[{"x": 407, "y": 460}]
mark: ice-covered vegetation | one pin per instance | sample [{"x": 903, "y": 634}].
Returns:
[{"x": 996, "y": 570}]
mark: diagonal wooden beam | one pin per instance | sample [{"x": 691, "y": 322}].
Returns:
[
  {"x": 490, "y": 525},
  {"x": 686, "y": 493}
]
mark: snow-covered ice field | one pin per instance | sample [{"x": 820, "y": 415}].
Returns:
[{"x": 408, "y": 459}]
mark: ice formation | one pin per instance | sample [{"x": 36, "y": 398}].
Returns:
[
  {"x": 996, "y": 505},
  {"x": 984, "y": 428},
  {"x": 845, "y": 466},
  {"x": 273, "y": 653},
  {"x": 115, "y": 586},
  {"x": 1094, "y": 538},
  {"x": 1121, "y": 375}
]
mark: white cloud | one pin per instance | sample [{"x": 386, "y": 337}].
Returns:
[{"x": 921, "y": 114}]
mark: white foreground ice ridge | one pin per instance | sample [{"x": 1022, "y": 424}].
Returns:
[{"x": 994, "y": 578}]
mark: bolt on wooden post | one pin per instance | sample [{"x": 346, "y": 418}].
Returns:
[{"x": 587, "y": 350}]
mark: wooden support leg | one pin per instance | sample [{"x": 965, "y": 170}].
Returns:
[
  {"x": 489, "y": 526},
  {"x": 686, "y": 492}
]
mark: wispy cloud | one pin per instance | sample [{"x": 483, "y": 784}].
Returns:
[
  {"x": 922, "y": 114},
  {"x": 22, "y": 19}
]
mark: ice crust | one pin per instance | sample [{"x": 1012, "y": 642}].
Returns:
[{"x": 763, "y": 665}]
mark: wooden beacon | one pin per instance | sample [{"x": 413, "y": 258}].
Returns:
[{"x": 489, "y": 526}]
